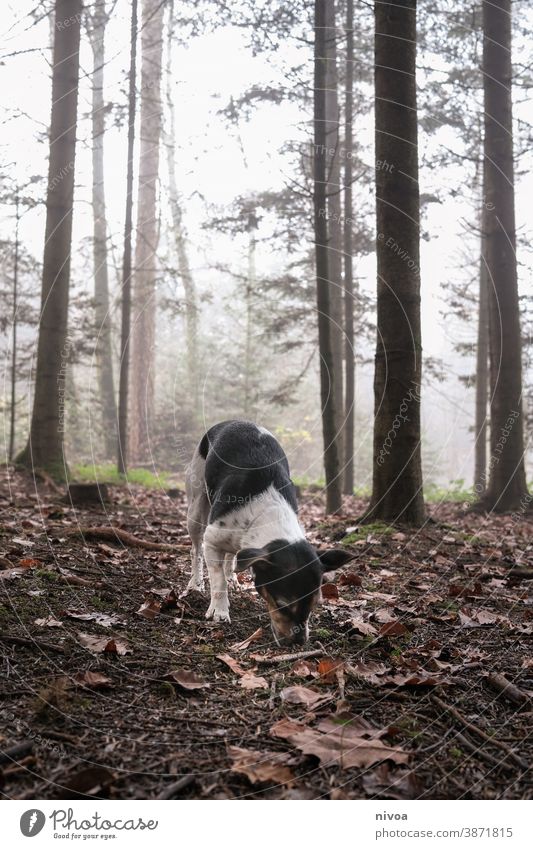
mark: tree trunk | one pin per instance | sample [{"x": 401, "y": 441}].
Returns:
[
  {"x": 14, "y": 319},
  {"x": 349, "y": 340},
  {"x": 103, "y": 348},
  {"x": 122, "y": 447},
  {"x": 144, "y": 300},
  {"x": 180, "y": 238},
  {"x": 507, "y": 481},
  {"x": 323, "y": 288},
  {"x": 482, "y": 369},
  {"x": 44, "y": 450},
  {"x": 335, "y": 227},
  {"x": 397, "y": 481}
]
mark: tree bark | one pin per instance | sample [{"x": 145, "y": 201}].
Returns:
[
  {"x": 180, "y": 238},
  {"x": 144, "y": 299},
  {"x": 397, "y": 479},
  {"x": 507, "y": 481},
  {"x": 334, "y": 215},
  {"x": 482, "y": 369},
  {"x": 45, "y": 445},
  {"x": 323, "y": 288},
  {"x": 14, "y": 320},
  {"x": 122, "y": 447},
  {"x": 349, "y": 339},
  {"x": 103, "y": 348}
]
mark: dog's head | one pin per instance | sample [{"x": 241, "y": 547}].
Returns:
[{"x": 288, "y": 575}]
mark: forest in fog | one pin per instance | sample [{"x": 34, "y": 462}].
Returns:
[
  {"x": 266, "y": 307},
  {"x": 215, "y": 187}
]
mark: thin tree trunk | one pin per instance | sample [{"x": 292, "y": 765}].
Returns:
[
  {"x": 45, "y": 445},
  {"x": 331, "y": 444},
  {"x": 144, "y": 299},
  {"x": 335, "y": 227},
  {"x": 397, "y": 481},
  {"x": 122, "y": 448},
  {"x": 103, "y": 347},
  {"x": 14, "y": 319},
  {"x": 507, "y": 481},
  {"x": 249, "y": 295},
  {"x": 180, "y": 239},
  {"x": 482, "y": 369},
  {"x": 349, "y": 339}
]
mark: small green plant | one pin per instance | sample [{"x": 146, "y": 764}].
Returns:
[{"x": 375, "y": 529}]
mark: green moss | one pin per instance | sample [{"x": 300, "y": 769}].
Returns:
[
  {"x": 46, "y": 575},
  {"x": 109, "y": 474},
  {"x": 456, "y": 752},
  {"x": 323, "y": 633},
  {"x": 376, "y": 529}
]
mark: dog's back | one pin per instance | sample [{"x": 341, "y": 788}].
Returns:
[{"x": 242, "y": 461}]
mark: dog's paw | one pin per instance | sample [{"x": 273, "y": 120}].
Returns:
[
  {"x": 193, "y": 586},
  {"x": 217, "y": 614}
]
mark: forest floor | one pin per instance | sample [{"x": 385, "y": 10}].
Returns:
[{"x": 113, "y": 687}]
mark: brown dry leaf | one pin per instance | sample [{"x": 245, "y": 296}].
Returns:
[
  {"x": 17, "y": 571},
  {"x": 92, "y": 679},
  {"x": 89, "y": 781},
  {"x": 370, "y": 671},
  {"x": 350, "y": 579},
  {"x": 29, "y": 563},
  {"x": 149, "y": 609},
  {"x": 169, "y": 601},
  {"x": 343, "y": 746},
  {"x": 416, "y": 679},
  {"x": 383, "y": 615},
  {"x": 187, "y": 679},
  {"x": 233, "y": 664},
  {"x": 304, "y": 669},
  {"x": 100, "y": 618},
  {"x": 253, "y": 682},
  {"x": 393, "y": 628},
  {"x": 49, "y": 622},
  {"x": 330, "y": 592},
  {"x": 257, "y": 635},
  {"x": 328, "y": 670},
  {"x": 261, "y": 766},
  {"x": 364, "y": 628},
  {"x": 104, "y": 644},
  {"x": 478, "y": 618},
  {"x": 298, "y": 695}
]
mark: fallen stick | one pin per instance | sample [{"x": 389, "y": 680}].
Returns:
[
  {"x": 481, "y": 753},
  {"x": 285, "y": 658},
  {"x": 5, "y": 563},
  {"x": 116, "y": 534},
  {"x": 479, "y": 731},
  {"x": 25, "y": 641},
  {"x": 524, "y": 574},
  {"x": 174, "y": 788},
  {"x": 14, "y": 752},
  {"x": 506, "y": 688}
]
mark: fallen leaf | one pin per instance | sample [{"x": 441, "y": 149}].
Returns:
[
  {"x": 330, "y": 592},
  {"x": 416, "y": 679},
  {"x": 329, "y": 669},
  {"x": 253, "y": 682},
  {"x": 92, "y": 679},
  {"x": 261, "y": 766},
  {"x": 364, "y": 628},
  {"x": 343, "y": 746},
  {"x": 29, "y": 563},
  {"x": 304, "y": 669},
  {"x": 478, "y": 618},
  {"x": 104, "y": 644},
  {"x": 187, "y": 679},
  {"x": 88, "y": 781},
  {"x": 370, "y": 671},
  {"x": 49, "y": 622},
  {"x": 233, "y": 664},
  {"x": 102, "y": 619},
  {"x": 298, "y": 695},
  {"x": 350, "y": 579},
  {"x": 393, "y": 629},
  {"x": 149, "y": 609},
  {"x": 257, "y": 635}
]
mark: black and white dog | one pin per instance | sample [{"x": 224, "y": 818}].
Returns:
[{"x": 241, "y": 501}]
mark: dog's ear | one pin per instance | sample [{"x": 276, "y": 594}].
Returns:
[
  {"x": 247, "y": 557},
  {"x": 333, "y": 558}
]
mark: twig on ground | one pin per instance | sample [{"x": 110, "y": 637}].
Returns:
[
  {"x": 25, "y": 641},
  {"x": 16, "y": 752},
  {"x": 283, "y": 658},
  {"x": 479, "y": 731},
  {"x": 503, "y": 687},
  {"x": 176, "y": 786},
  {"x": 118, "y": 535}
]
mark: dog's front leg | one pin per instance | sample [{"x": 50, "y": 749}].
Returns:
[{"x": 219, "y": 607}]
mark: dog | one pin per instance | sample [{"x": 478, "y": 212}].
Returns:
[{"x": 242, "y": 505}]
